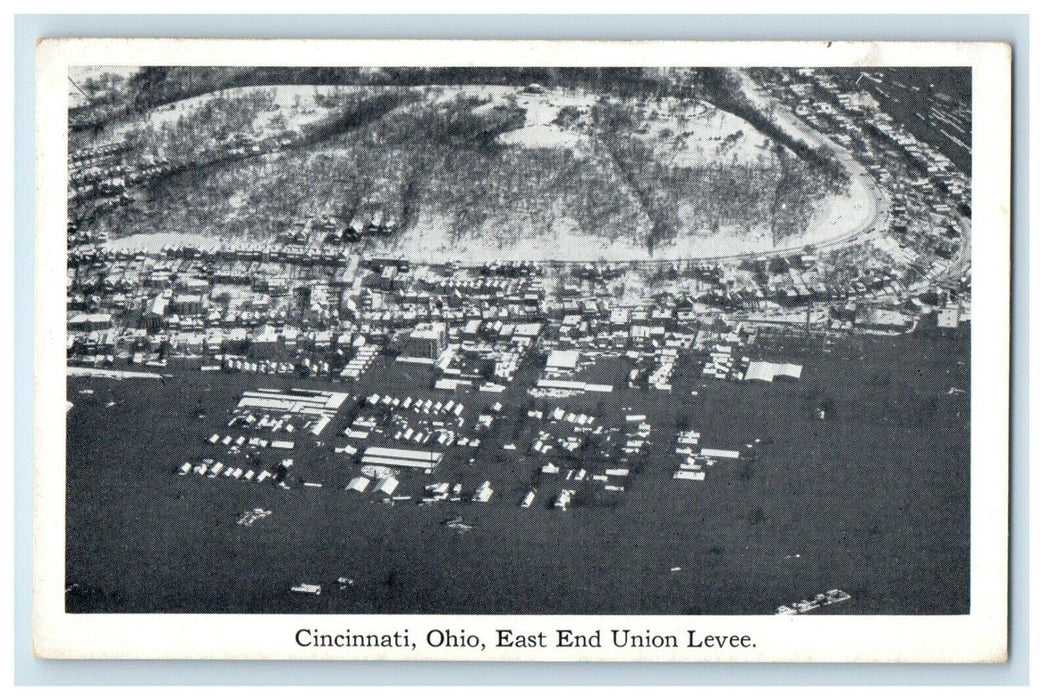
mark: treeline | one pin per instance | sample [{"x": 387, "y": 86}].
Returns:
[
  {"x": 708, "y": 198},
  {"x": 458, "y": 188},
  {"x": 456, "y": 123},
  {"x": 720, "y": 87},
  {"x": 194, "y": 135},
  {"x": 209, "y": 134},
  {"x": 157, "y": 85},
  {"x": 441, "y": 159},
  {"x": 356, "y": 111}
]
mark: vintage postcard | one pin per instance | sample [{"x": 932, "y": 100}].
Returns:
[{"x": 540, "y": 351}]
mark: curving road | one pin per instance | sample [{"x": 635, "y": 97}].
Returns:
[{"x": 878, "y": 202}]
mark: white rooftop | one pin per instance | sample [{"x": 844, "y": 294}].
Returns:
[{"x": 563, "y": 359}]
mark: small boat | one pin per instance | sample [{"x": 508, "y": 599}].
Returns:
[
  {"x": 457, "y": 523},
  {"x": 829, "y": 597}
]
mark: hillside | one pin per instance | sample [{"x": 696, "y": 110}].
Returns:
[{"x": 475, "y": 171}]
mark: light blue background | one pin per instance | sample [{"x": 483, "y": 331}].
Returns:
[{"x": 29, "y": 28}]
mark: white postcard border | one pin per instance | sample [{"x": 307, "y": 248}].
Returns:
[{"x": 980, "y": 636}]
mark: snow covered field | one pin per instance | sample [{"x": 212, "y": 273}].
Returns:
[{"x": 292, "y": 106}]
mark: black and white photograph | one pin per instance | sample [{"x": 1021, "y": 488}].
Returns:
[{"x": 661, "y": 342}]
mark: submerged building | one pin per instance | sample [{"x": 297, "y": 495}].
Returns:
[{"x": 426, "y": 342}]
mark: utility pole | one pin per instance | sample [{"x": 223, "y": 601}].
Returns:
[{"x": 809, "y": 303}]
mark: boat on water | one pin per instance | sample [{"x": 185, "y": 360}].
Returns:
[
  {"x": 307, "y": 588},
  {"x": 829, "y": 597},
  {"x": 458, "y": 523}
]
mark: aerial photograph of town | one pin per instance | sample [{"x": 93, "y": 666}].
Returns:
[{"x": 518, "y": 340}]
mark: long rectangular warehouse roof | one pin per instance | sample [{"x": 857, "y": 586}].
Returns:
[
  {"x": 415, "y": 455},
  {"x": 395, "y": 462},
  {"x": 725, "y": 454},
  {"x": 296, "y": 401}
]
